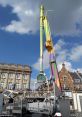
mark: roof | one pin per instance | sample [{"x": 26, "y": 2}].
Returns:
[
  {"x": 77, "y": 77},
  {"x": 15, "y": 67}
]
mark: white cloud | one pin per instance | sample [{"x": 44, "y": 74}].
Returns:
[
  {"x": 28, "y": 14},
  {"x": 68, "y": 66},
  {"x": 45, "y": 61},
  {"x": 19, "y": 27},
  {"x": 76, "y": 53},
  {"x": 79, "y": 70},
  {"x": 63, "y": 18}
]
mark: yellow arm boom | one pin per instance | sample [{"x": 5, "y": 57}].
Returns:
[{"x": 48, "y": 44}]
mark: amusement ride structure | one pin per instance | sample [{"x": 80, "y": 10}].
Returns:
[{"x": 44, "y": 27}]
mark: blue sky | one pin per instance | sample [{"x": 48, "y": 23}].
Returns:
[{"x": 19, "y": 33}]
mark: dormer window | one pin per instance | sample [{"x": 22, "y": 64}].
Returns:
[{"x": 77, "y": 80}]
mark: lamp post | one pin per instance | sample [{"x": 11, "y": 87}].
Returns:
[{"x": 34, "y": 86}]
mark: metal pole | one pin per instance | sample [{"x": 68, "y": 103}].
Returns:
[
  {"x": 34, "y": 86},
  {"x": 41, "y": 37},
  {"x": 54, "y": 91}
]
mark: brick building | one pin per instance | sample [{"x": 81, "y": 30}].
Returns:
[{"x": 70, "y": 80}]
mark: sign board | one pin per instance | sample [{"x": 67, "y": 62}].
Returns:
[{"x": 68, "y": 94}]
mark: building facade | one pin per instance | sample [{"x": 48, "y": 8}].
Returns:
[
  {"x": 66, "y": 80},
  {"x": 14, "y": 76},
  {"x": 70, "y": 80}
]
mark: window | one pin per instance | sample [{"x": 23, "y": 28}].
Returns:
[
  {"x": 64, "y": 78},
  {"x": 25, "y": 76},
  {"x": 77, "y": 80},
  {"x": 3, "y": 75},
  {"x": 10, "y": 86},
  {"x": 18, "y": 76},
  {"x": 64, "y": 82},
  {"x": 1, "y": 84},
  {"x": 11, "y": 75},
  {"x": 18, "y": 86},
  {"x": 24, "y": 85}
]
